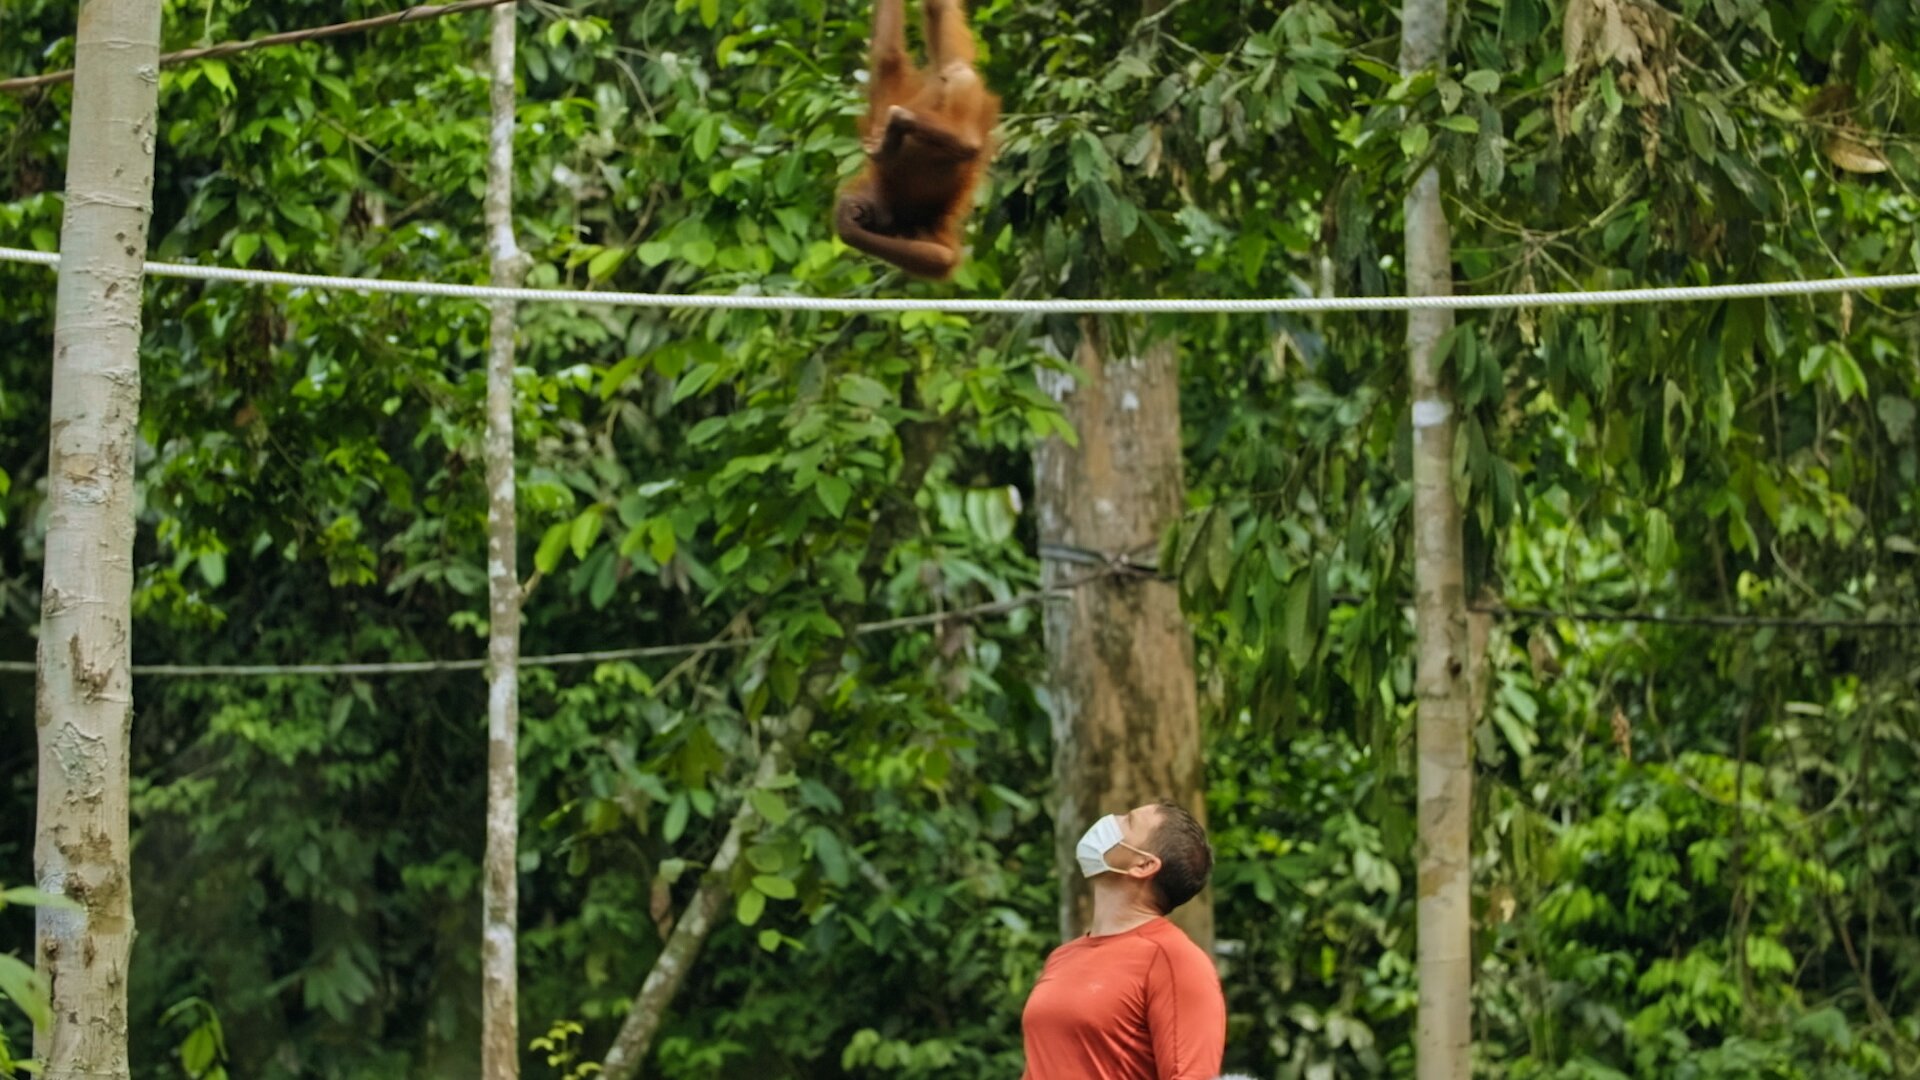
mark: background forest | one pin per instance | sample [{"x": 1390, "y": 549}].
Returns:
[{"x": 1697, "y": 847}]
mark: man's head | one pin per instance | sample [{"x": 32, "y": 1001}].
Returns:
[{"x": 1161, "y": 845}]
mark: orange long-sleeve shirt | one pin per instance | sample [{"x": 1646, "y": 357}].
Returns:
[{"x": 1139, "y": 1005}]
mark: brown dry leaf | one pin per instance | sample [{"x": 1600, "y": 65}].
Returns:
[
  {"x": 1630, "y": 35},
  {"x": 1854, "y": 156},
  {"x": 1529, "y": 318},
  {"x": 1542, "y": 656},
  {"x": 1622, "y": 733},
  {"x": 1830, "y": 98},
  {"x": 1575, "y": 27},
  {"x": 661, "y": 907},
  {"x": 1501, "y": 904}
]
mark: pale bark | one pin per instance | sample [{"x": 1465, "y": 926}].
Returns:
[
  {"x": 84, "y": 689},
  {"x": 499, "y": 1008},
  {"x": 670, "y": 969},
  {"x": 1125, "y": 709},
  {"x": 1443, "y": 675}
]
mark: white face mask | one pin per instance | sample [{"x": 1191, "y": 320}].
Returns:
[{"x": 1104, "y": 836}]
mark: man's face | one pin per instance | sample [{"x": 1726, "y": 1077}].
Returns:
[{"x": 1137, "y": 827}]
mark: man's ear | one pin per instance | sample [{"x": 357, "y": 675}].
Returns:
[{"x": 1148, "y": 866}]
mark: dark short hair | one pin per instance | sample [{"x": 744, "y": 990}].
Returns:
[{"x": 1186, "y": 859}]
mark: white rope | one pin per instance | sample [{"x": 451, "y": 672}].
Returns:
[{"x": 759, "y": 302}]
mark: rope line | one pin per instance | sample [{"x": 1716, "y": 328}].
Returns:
[
  {"x": 228, "y": 48},
  {"x": 977, "y": 306}
]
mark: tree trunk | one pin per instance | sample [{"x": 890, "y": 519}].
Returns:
[
  {"x": 499, "y": 1005},
  {"x": 1126, "y": 714},
  {"x": 637, "y": 1032},
  {"x": 1443, "y": 678},
  {"x": 84, "y": 699}
]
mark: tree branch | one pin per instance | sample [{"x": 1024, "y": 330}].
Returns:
[{"x": 417, "y": 13}]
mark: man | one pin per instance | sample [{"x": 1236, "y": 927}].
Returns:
[{"x": 1135, "y": 998}]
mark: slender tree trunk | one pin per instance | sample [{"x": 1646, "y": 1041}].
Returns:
[
  {"x": 499, "y": 1009},
  {"x": 84, "y": 700},
  {"x": 1444, "y": 675},
  {"x": 637, "y": 1032},
  {"x": 1126, "y": 714}
]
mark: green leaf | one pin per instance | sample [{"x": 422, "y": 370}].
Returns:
[
  {"x": 770, "y": 940},
  {"x": 676, "y": 823},
  {"x": 1897, "y": 416},
  {"x": 831, "y": 854},
  {"x": 586, "y": 529},
  {"x": 654, "y": 252},
  {"x": 244, "y": 247},
  {"x": 1482, "y": 81},
  {"x": 990, "y": 514},
  {"x": 706, "y": 137},
  {"x": 605, "y": 581},
  {"x": 710, "y": 13},
  {"x": 833, "y": 493},
  {"x": 752, "y": 904},
  {"x": 766, "y": 858},
  {"x": 1219, "y": 550},
  {"x": 196, "y": 1051},
  {"x": 661, "y": 541},
  {"x": 22, "y": 984},
  {"x": 1518, "y": 735},
  {"x": 1828, "y": 1025},
  {"x": 1610, "y": 92},
  {"x": 615, "y": 377},
  {"x": 28, "y": 896},
  {"x": 547, "y": 558},
  {"x": 216, "y": 73},
  {"x": 778, "y": 888},
  {"x": 1462, "y": 123},
  {"x": 784, "y": 677},
  {"x": 1414, "y": 139},
  {"x": 1299, "y": 618},
  {"x": 1659, "y": 540},
  {"x": 1383, "y": 72},
  {"x": 602, "y": 266},
  {"x": 770, "y": 805},
  {"x": 694, "y": 381},
  {"x": 1848, "y": 380},
  {"x": 213, "y": 567}
]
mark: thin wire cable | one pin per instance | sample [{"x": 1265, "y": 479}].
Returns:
[
  {"x": 966, "y": 614},
  {"x": 1714, "y": 621},
  {"x": 417, "y": 13},
  {"x": 643, "y": 652},
  {"x": 977, "y": 306}
]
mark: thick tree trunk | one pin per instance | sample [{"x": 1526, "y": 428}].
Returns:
[
  {"x": 637, "y": 1032},
  {"x": 1444, "y": 677},
  {"x": 84, "y": 698},
  {"x": 1126, "y": 715},
  {"x": 499, "y": 1007}
]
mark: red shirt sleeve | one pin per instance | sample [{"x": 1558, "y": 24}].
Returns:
[{"x": 1186, "y": 1015}]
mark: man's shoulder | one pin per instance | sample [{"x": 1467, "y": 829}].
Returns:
[{"x": 1180, "y": 950}]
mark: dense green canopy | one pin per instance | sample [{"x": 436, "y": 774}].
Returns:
[{"x": 1697, "y": 848}]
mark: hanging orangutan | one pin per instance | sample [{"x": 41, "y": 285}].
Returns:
[{"x": 928, "y": 134}]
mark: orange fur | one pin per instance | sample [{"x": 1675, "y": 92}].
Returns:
[{"x": 929, "y": 136}]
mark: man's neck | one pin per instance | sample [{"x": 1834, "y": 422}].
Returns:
[{"x": 1117, "y": 911}]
